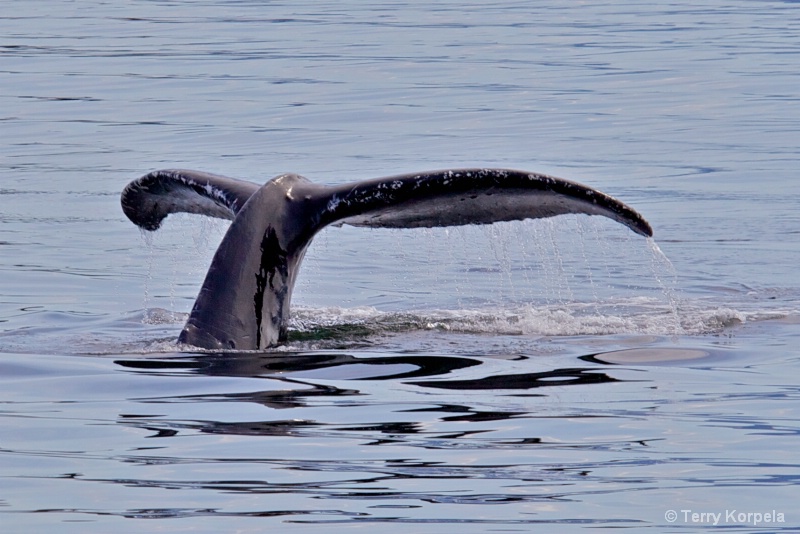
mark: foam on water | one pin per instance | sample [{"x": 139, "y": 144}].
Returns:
[{"x": 623, "y": 316}]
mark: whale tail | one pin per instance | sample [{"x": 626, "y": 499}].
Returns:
[{"x": 244, "y": 301}]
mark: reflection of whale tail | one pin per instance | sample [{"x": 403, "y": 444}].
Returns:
[{"x": 244, "y": 301}]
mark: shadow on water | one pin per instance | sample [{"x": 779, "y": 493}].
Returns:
[
  {"x": 557, "y": 377},
  {"x": 297, "y": 389},
  {"x": 286, "y": 367},
  {"x": 253, "y": 365}
]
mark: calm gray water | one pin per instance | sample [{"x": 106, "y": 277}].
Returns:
[{"x": 556, "y": 375}]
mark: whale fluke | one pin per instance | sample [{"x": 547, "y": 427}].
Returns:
[
  {"x": 148, "y": 200},
  {"x": 244, "y": 300}
]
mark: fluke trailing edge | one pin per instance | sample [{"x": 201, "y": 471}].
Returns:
[{"x": 244, "y": 300}]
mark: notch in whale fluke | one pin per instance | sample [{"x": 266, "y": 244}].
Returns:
[{"x": 244, "y": 300}]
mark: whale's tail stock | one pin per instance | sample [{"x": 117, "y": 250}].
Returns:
[{"x": 244, "y": 301}]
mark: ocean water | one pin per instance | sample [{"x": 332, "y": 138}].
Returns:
[{"x": 561, "y": 375}]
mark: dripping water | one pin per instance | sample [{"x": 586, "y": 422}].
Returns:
[
  {"x": 185, "y": 264},
  {"x": 659, "y": 264},
  {"x": 149, "y": 243},
  {"x": 581, "y": 232}
]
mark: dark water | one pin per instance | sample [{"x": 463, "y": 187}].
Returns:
[{"x": 556, "y": 375}]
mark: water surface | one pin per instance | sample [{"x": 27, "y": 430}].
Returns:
[{"x": 554, "y": 375}]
